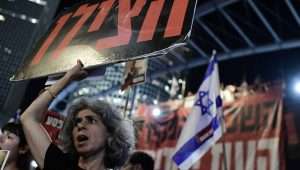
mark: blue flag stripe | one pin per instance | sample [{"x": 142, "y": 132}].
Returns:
[
  {"x": 194, "y": 143},
  {"x": 219, "y": 101}
]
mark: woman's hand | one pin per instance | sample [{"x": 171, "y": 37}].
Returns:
[{"x": 76, "y": 72}]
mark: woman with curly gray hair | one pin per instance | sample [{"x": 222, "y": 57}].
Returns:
[
  {"x": 120, "y": 134},
  {"x": 95, "y": 135}
]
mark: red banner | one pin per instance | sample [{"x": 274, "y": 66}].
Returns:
[
  {"x": 252, "y": 140},
  {"x": 53, "y": 123}
]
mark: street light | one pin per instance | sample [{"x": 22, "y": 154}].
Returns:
[
  {"x": 2, "y": 18},
  {"x": 297, "y": 87},
  {"x": 156, "y": 112}
]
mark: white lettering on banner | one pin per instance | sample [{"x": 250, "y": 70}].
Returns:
[
  {"x": 54, "y": 122},
  {"x": 261, "y": 163},
  {"x": 216, "y": 152},
  {"x": 235, "y": 156},
  {"x": 239, "y": 164},
  {"x": 158, "y": 158},
  {"x": 250, "y": 155},
  {"x": 271, "y": 145},
  {"x": 169, "y": 164},
  {"x": 217, "y": 156}
]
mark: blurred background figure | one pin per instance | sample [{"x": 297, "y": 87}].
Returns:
[
  {"x": 139, "y": 161},
  {"x": 12, "y": 138}
]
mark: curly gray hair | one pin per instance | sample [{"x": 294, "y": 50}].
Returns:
[{"x": 121, "y": 132}]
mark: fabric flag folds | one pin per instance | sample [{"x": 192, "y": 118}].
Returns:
[{"x": 203, "y": 126}]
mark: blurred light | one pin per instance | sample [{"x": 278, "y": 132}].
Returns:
[
  {"x": 155, "y": 82},
  {"x": 39, "y": 2},
  {"x": 156, "y": 112},
  {"x": 138, "y": 97},
  {"x": 101, "y": 98},
  {"x": 2, "y": 18},
  {"x": 33, "y": 164},
  {"x": 7, "y": 50},
  {"x": 180, "y": 96},
  {"x": 155, "y": 101},
  {"x": 84, "y": 91},
  {"x": 117, "y": 100},
  {"x": 180, "y": 81},
  {"x": 167, "y": 88},
  {"x": 227, "y": 95},
  {"x": 121, "y": 92},
  {"x": 23, "y": 17},
  {"x": 33, "y": 20},
  {"x": 297, "y": 87},
  {"x": 231, "y": 88}
]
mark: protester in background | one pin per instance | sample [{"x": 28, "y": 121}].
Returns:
[
  {"x": 13, "y": 139},
  {"x": 96, "y": 135},
  {"x": 139, "y": 161}
]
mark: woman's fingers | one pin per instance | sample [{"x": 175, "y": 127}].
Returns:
[
  {"x": 77, "y": 72},
  {"x": 80, "y": 63}
]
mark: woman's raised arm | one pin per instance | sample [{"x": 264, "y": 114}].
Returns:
[{"x": 37, "y": 137}]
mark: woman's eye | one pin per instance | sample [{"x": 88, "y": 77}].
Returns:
[
  {"x": 91, "y": 120},
  {"x": 9, "y": 137},
  {"x": 77, "y": 121}
]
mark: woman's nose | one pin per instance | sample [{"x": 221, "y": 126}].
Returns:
[{"x": 81, "y": 124}]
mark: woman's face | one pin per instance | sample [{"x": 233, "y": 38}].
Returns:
[
  {"x": 89, "y": 133},
  {"x": 10, "y": 141}
]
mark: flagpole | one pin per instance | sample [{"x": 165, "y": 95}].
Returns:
[
  {"x": 214, "y": 52},
  {"x": 126, "y": 102},
  {"x": 132, "y": 102},
  {"x": 223, "y": 143}
]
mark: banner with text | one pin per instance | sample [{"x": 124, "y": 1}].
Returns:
[
  {"x": 252, "y": 139},
  {"x": 100, "y": 32}
]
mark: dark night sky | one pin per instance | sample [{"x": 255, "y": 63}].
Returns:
[{"x": 269, "y": 66}]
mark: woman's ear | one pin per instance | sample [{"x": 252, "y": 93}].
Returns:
[{"x": 23, "y": 149}]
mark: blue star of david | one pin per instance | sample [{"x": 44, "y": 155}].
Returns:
[{"x": 204, "y": 102}]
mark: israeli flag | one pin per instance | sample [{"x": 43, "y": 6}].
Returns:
[{"x": 203, "y": 126}]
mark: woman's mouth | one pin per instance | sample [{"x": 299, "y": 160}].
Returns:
[{"x": 82, "y": 138}]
